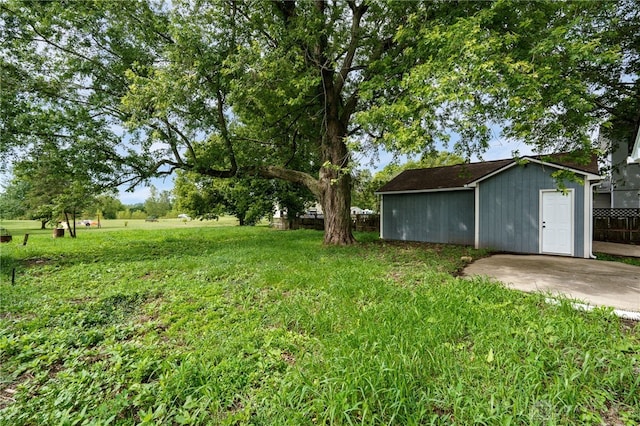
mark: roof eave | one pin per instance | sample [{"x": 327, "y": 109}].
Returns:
[
  {"x": 416, "y": 191},
  {"x": 589, "y": 176}
]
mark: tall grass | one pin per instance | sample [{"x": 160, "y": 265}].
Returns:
[{"x": 254, "y": 326}]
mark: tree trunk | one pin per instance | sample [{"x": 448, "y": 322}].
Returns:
[
  {"x": 335, "y": 182},
  {"x": 71, "y": 229},
  {"x": 74, "y": 223},
  {"x": 333, "y": 188},
  {"x": 66, "y": 219},
  {"x": 336, "y": 200},
  {"x": 43, "y": 224}
]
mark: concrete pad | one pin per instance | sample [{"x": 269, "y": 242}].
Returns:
[
  {"x": 594, "y": 282},
  {"x": 628, "y": 250}
]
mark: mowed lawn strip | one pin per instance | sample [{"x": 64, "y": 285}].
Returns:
[{"x": 230, "y": 325}]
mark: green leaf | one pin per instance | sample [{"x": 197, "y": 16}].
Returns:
[{"x": 490, "y": 356}]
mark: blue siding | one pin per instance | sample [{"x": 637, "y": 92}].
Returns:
[
  {"x": 510, "y": 209},
  {"x": 436, "y": 217}
]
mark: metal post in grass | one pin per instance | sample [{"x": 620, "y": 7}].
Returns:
[
  {"x": 13, "y": 276},
  {"x": 26, "y": 238}
]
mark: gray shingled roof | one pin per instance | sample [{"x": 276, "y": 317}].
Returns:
[{"x": 458, "y": 176}]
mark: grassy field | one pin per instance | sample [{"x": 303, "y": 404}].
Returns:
[
  {"x": 32, "y": 227},
  {"x": 226, "y": 325}
]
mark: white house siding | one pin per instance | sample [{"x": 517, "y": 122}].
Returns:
[
  {"x": 509, "y": 211},
  {"x": 625, "y": 178},
  {"x": 436, "y": 217}
]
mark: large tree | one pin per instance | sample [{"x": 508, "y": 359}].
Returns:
[{"x": 290, "y": 89}]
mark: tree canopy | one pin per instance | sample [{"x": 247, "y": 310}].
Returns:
[
  {"x": 293, "y": 89},
  {"x": 52, "y": 184}
]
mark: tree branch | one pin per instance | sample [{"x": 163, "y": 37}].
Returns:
[
  {"x": 264, "y": 32},
  {"x": 294, "y": 148},
  {"x": 224, "y": 131},
  {"x": 69, "y": 51},
  {"x": 185, "y": 139},
  {"x": 174, "y": 148},
  {"x": 358, "y": 13},
  {"x": 349, "y": 107},
  {"x": 274, "y": 172},
  {"x": 287, "y": 8}
]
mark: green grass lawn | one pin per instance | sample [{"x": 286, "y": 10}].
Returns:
[
  {"x": 18, "y": 228},
  {"x": 226, "y": 325}
]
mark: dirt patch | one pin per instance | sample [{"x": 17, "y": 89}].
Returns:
[
  {"x": 236, "y": 406},
  {"x": 7, "y": 397},
  {"x": 10, "y": 316},
  {"x": 9, "y": 391},
  {"x": 36, "y": 261},
  {"x": 288, "y": 357},
  {"x": 395, "y": 276},
  {"x": 80, "y": 300},
  {"x": 612, "y": 417},
  {"x": 628, "y": 325},
  {"x": 150, "y": 276}
]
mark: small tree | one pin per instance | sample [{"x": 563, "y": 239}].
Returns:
[
  {"x": 197, "y": 196},
  {"x": 58, "y": 184},
  {"x": 247, "y": 199},
  {"x": 71, "y": 202},
  {"x": 106, "y": 205},
  {"x": 159, "y": 203},
  {"x": 12, "y": 200}
]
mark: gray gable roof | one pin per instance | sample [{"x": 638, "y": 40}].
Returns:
[{"x": 458, "y": 176}]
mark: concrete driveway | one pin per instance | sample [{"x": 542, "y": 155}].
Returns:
[{"x": 594, "y": 282}]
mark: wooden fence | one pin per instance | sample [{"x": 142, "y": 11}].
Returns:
[
  {"x": 366, "y": 222},
  {"x": 359, "y": 222},
  {"x": 617, "y": 225}
]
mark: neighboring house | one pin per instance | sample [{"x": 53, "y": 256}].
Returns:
[
  {"x": 634, "y": 156},
  {"x": 622, "y": 189},
  {"x": 313, "y": 210},
  {"x": 504, "y": 205}
]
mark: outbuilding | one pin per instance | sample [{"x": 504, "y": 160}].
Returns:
[{"x": 506, "y": 205}]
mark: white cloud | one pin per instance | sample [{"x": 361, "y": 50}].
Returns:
[{"x": 137, "y": 196}]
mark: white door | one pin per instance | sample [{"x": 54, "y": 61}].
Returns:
[{"x": 556, "y": 227}]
